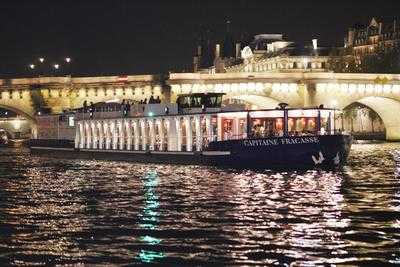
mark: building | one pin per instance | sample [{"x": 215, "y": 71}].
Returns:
[
  {"x": 265, "y": 53},
  {"x": 365, "y": 39},
  {"x": 213, "y": 55},
  {"x": 272, "y": 53}
]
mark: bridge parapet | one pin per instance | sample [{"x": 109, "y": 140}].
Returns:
[
  {"x": 284, "y": 76},
  {"x": 59, "y": 93}
]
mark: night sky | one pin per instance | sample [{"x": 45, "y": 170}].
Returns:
[{"x": 140, "y": 37}]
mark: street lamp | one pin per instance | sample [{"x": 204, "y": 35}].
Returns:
[
  {"x": 56, "y": 67},
  {"x": 32, "y": 69},
  {"x": 68, "y": 66},
  {"x": 41, "y": 66}
]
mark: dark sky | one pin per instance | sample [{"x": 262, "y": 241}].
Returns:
[{"x": 137, "y": 37}]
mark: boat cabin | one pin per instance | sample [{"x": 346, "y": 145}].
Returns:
[
  {"x": 195, "y": 121},
  {"x": 189, "y": 103}
]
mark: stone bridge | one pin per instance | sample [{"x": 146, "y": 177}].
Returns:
[
  {"x": 15, "y": 127},
  {"x": 380, "y": 92},
  {"x": 25, "y": 96}
]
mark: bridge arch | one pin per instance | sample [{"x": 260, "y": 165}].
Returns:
[
  {"x": 262, "y": 102},
  {"x": 387, "y": 109},
  {"x": 26, "y": 115}
]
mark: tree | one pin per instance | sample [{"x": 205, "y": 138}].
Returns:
[
  {"x": 384, "y": 59},
  {"x": 342, "y": 61},
  {"x": 37, "y": 98},
  {"x": 350, "y": 113},
  {"x": 373, "y": 116}
]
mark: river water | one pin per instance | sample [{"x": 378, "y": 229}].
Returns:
[{"x": 67, "y": 212}]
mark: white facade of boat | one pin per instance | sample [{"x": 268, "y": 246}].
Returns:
[
  {"x": 181, "y": 132},
  {"x": 146, "y": 133}
]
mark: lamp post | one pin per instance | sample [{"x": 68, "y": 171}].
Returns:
[
  {"x": 68, "y": 65},
  {"x": 32, "y": 68},
  {"x": 41, "y": 66},
  {"x": 56, "y": 67}
]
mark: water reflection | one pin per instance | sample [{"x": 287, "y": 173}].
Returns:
[
  {"x": 150, "y": 217},
  {"x": 60, "y": 212}
]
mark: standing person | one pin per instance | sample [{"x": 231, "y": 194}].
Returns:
[
  {"x": 84, "y": 106},
  {"x": 158, "y": 100},
  {"x": 151, "y": 100},
  {"x": 91, "y": 109},
  {"x": 145, "y": 101}
]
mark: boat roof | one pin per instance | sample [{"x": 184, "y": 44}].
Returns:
[
  {"x": 202, "y": 94},
  {"x": 144, "y": 115}
]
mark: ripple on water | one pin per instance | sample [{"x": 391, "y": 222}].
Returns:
[{"x": 89, "y": 212}]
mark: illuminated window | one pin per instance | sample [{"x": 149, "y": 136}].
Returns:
[{"x": 71, "y": 121}]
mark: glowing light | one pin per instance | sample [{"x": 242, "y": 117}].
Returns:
[
  {"x": 361, "y": 88},
  {"x": 41, "y": 59},
  {"x": 17, "y": 124},
  {"x": 149, "y": 218},
  {"x": 276, "y": 87},
  {"x": 56, "y": 66},
  {"x": 68, "y": 59},
  {"x": 305, "y": 62},
  {"x": 387, "y": 88},
  {"x": 259, "y": 87},
  {"x": 226, "y": 88},
  {"x": 321, "y": 87},
  {"x": 150, "y": 256},
  {"x": 352, "y": 88},
  {"x": 31, "y": 66},
  {"x": 293, "y": 88},
  {"x": 344, "y": 87},
  {"x": 296, "y": 113},
  {"x": 396, "y": 89},
  {"x": 370, "y": 88},
  {"x": 269, "y": 114},
  {"x": 315, "y": 43}
]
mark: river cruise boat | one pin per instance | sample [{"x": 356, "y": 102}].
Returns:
[{"x": 202, "y": 129}]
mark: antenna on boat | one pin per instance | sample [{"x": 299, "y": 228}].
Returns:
[{"x": 283, "y": 105}]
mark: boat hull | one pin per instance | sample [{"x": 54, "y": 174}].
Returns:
[
  {"x": 293, "y": 152},
  {"x": 264, "y": 153}
]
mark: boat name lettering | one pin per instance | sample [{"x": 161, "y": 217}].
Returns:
[{"x": 282, "y": 141}]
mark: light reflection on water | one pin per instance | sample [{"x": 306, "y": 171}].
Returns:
[
  {"x": 149, "y": 217},
  {"x": 71, "y": 212}
]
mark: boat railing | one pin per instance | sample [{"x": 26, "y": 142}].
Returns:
[
  {"x": 226, "y": 137},
  {"x": 137, "y": 110}
]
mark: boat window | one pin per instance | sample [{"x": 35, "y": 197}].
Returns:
[
  {"x": 302, "y": 126},
  {"x": 227, "y": 129},
  {"x": 199, "y": 100},
  {"x": 263, "y": 127},
  {"x": 213, "y": 101}
]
